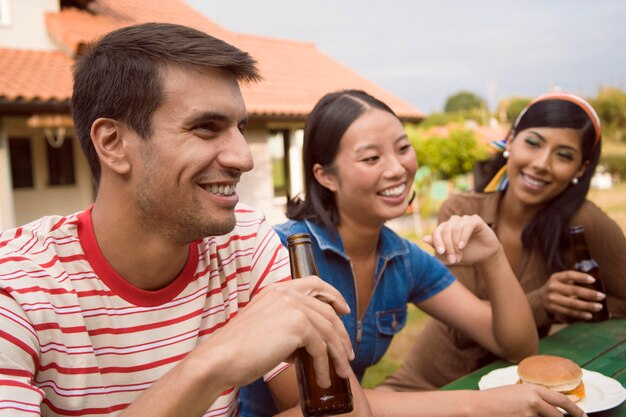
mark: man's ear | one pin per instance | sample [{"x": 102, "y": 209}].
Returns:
[
  {"x": 107, "y": 136},
  {"x": 325, "y": 178}
]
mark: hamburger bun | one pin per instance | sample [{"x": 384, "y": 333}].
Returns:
[{"x": 553, "y": 372}]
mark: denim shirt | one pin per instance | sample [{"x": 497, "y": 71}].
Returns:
[{"x": 404, "y": 273}]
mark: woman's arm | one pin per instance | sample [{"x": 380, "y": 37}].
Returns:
[
  {"x": 505, "y": 325},
  {"x": 511, "y": 400}
]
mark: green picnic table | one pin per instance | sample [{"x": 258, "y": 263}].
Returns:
[{"x": 599, "y": 347}]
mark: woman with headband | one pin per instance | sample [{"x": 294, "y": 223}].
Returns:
[
  {"x": 537, "y": 190},
  {"x": 359, "y": 167}
]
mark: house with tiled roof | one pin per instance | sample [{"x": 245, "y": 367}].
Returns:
[{"x": 42, "y": 169}]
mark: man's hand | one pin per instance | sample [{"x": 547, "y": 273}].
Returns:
[
  {"x": 282, "y": 318},
  {"x": 302, "y": 313}
]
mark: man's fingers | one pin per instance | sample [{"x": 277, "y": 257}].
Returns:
[
  {"x": 323, "y": 334},
  {"x": 317, "y": 353},
  {"x": 332, "y": 333},
  {"x": 317, "y": 288}
]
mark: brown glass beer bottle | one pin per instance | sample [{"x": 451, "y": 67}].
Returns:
[
  {"x": 315, "y": 400},
  {"x": 585, "y": 263}
]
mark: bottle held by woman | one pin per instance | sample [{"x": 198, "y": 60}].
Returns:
[{"x": 585, "y": 263}]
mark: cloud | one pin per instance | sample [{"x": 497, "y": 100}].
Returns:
[{"x": 426, "y": 51}]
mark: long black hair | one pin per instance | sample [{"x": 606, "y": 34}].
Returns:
[
  {"x": 325, "y": 126},
  {"x": 548, "y": 230}
]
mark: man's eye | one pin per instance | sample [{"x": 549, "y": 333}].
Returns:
[
  {"x": 211, "y": 127},
  {"x": 206, "y": 130}
]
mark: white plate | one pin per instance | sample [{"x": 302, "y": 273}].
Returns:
[{"x": 601, "y": 392}]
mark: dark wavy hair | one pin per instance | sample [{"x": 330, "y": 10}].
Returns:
[
  {"x": 325, "y": 126},
  {"x": 548, "y": 230},
  {"x": 120, "y": 76}
]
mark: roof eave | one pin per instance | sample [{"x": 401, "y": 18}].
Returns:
[{"x": 20, "y": 107}]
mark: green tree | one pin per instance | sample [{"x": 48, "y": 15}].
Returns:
[
  {"x": 514, "y": 107},
  {"x": 464, "y": 101},
  {"x": 447, "y": 157},
  {"x": 442, "y": 119},
  {"x": 610, "y": 103}
]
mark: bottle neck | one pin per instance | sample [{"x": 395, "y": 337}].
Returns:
[
  {"x": 580, "y": 247},
  {"x": 301, "y": 260}
]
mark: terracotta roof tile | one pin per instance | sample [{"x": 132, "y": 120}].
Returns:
[
  {"x": 73, "y": 27},
  {"x": 70, "y": 27},
  {"x": 296, "y": 74},
  {"x": 35, "y": 75},
  {"x": 172, "y": 11}
]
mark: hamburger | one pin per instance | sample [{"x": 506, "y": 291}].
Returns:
[{"x": 553, "y": 372}]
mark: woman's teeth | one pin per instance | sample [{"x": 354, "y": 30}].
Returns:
[
  {"x": 393, "y": 192},
  {"x": 220, "y": 189},
  {"x": 533, "y": 182}
]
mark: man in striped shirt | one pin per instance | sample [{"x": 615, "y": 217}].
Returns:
[{"x": 135, "y": 306}]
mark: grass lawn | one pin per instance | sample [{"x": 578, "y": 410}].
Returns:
[{"x": 612, "y": 201}]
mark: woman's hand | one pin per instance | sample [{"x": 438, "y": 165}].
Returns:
[
  {"x": 464, "y": 238},
  {"x": 565, "y": 300},
  {"x": 526, "y": 400}
]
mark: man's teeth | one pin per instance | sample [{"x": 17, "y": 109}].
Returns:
[
  {"x": 393, "y": 192},
  {"x": 536, "y": 183},
  {"x": 221, "y": 189}
]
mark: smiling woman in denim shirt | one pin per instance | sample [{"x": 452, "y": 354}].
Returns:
[{"x": 359, "y": 167}]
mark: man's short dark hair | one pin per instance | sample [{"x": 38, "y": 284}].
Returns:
[{"x": 120, "y": 76}]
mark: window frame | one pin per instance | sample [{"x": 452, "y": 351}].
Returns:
[
  {"x": 26, "y": 177},
  {"x": 5, "y": 13},
  {"x": 60, "y": 162}
]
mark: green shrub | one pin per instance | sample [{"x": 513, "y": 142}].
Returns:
[
  {"x": 448, "y": 157},
  {"x": 614, "y": 158}
]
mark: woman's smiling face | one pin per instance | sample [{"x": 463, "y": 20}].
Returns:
[
  {"x": 372, "y": 173},
  {"x": 542, "y": 163}
]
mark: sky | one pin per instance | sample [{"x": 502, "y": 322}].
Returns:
[{"x": 426, "y": 51}]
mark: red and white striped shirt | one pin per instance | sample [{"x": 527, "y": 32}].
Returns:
[{"x": 76, "y": 339}]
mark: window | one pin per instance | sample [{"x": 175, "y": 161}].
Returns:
[
  {"x": 278, "y": 142},
  {"x": 61, "y": 163},
  {"x": 5, "y": 13},
  {"x": 20, "y": 152}
]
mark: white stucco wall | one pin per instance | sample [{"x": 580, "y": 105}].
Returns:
[
  {"x": 7, "y": 217},
  {"x": 256, "y": 187},
  {"x": 43, "y": 199},
  {"x": 25, "y": 27}
]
